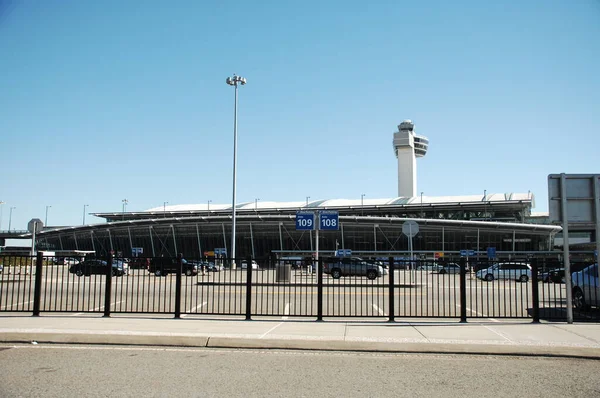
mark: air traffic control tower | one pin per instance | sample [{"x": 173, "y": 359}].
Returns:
[{"x": 408, "y": 147}]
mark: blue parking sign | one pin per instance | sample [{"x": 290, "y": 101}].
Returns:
[
  {"x": 328, "y": 220},
  {"x": 305, "y": 220},
  {"x": 491, "y": 252}
]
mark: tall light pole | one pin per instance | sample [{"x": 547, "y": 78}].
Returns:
[
  {"x": 84, "y": 206},
  {"x": 485, "y": 204},
  {"x": 1, "y": 206},
  {"x": 307, "y": 198},
  {"x": 208, "y": 207},
  {"x": 10, "y": 218},
  {"x": 256, "y": 203},
  {"x": 362, "y": 210},
  {"x": 125, "y": 201},
  {"x": 46, "y": 219},
  {"x": 165, "y": 209},
  {"x": 421, "y": 204},
  {"x": 234, "y": 81}
]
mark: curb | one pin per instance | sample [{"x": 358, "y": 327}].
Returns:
[{"x": 296, "y": 344}]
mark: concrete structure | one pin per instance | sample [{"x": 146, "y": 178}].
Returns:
[{"x": 408, "y": 146}]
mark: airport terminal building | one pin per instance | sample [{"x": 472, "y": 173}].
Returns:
[{"x": 446, "y": 224}]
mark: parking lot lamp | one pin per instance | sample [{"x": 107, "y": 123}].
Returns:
[
  {"x": 1, "y": 207},
  {"x": 234, "y": 81},
  {"x": 362, "y": 211},
  {"x": 84, "y": 206},
  {"x": 125, "y": 201},
  {"x": 46, "y": 219},
  {"x": 165, "y": 209},
  {"x": 10, "y": 218}
]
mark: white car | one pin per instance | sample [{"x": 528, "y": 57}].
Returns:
[
  {"x": 516, "y": 271},
  {"x": 254, "y": 265},
  {"x": 450, "y": 268},
  {"x": 586, "y": 289}
]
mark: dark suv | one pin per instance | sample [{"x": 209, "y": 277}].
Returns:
[
  {"x": 162, "y": 266},
  {"x": 96, "y": 267}
]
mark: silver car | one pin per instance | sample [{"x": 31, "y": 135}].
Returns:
[
  {"x": 514, "y": 271},
  {"x": 450, "y": 268},
  {"x": 586, "y": 290}
]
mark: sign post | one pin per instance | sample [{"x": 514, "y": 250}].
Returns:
[
  {"x": 410, "y": 229},
  {"x": 34, "y": 226}
]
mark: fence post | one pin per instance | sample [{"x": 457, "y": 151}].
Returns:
[
  {"x": 535, "y": 290},
  {"x": 248, "y": 288},
  {"x": 319, "y": 289},
  {"x": 37, "y": 293},
  {"x": 391, "y": 290},
  {"x": 463, "y": 290},
  {"x": 108, "y": 286},
  {"x": 178, "y": 286}
]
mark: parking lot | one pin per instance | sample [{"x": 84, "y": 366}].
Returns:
[{"x": 415, "y": 294}]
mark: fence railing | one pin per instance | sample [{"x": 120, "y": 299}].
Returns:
[{"x": 329, "y": 287}]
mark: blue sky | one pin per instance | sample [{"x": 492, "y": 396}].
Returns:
[{"x": 106, "y": 100}]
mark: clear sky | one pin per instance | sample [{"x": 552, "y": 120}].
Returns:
[{"x": 106, "y": 100}]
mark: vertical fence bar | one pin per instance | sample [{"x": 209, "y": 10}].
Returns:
[
  {"x": 391, "y": 290},
  {"x": 463, "y": 290},
  {"x": 535, "y": 290},
  {"x": 319, "y": 289},
  {"x": 37, "y": 293},
  {"x": 248, "y": 288},
  {"x": 178, "y": 286},
  {"x": 108, "y": 286}
]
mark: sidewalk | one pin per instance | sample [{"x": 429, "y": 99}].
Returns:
[{"x": 405, "y": 335}]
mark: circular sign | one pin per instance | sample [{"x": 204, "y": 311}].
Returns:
[
  {"x": 35, "y": 225},
  {"x": 410, "y": 228}
]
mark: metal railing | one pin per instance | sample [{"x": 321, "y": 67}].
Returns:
[{"x": 330, "y": 287}]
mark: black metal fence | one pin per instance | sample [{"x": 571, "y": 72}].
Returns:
[{"x": 440, "y": 288}]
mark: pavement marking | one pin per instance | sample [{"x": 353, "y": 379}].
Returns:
[
  {"x": 379, "y": 310},
  {"x": 270, "y": 330},
  {"x": 16, "y": 304},
  {"x": 478, "y": 313},
  {"x": 195, "y": 309},
  {"x": 286, "y": 312},
  {"x": 97, "y": 308},
  {"x": 498, "y": 333}
]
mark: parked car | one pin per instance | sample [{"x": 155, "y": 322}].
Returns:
[
  {"x": 1, "y": 268},
  {"x": 351, "y": 266},
  {"x": 515, "y": 271},
  {"x": 162, "y": 266},
  {"x": 139, "y": 263},
  {"x": 71, "y": 261},
  {"x": 432, "y": 267},
  {"x": 212, "y": 267},
  {"x": 123, "y": 265},
  {"x": 586, "y": 289},
  {"x": 96, "y": 267},
  {"x": 556, "y": 275},
  {"x": 254, "y": 265},
  {"x": 450, "y": 268}
]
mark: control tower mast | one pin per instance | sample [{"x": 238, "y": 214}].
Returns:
[{"x": 408, "y": 146}]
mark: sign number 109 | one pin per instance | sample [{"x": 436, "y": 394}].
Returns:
[{"x": 305, "y": 222}]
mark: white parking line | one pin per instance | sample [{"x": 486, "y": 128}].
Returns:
[
  {"x": 379, "y": 310},
  {"x": 16, "y": 304},
  {"x": 195, "y": 309},
  {"x": 98, "y": 308},
  {"x": 478, "y": 313},
  {"x": 286, "y": 312}
]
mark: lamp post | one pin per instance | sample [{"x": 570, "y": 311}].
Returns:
[
  {"x": 307, "y": 198},
  {"x": 1, "y": 206},
  {"x": 256, "y": 203},
  {"x": 165, "y": 209},
  {"x": 362, "y": 210},
  {"x": 46, "y": 219},
  {"x": 83, "y": 221},
  {"x": 421, "y": 204},
  {"x": 208, "y": 207},
  {"x": 485, "y": 204},
  {"x": 125, "y": 201},
  {"x": 10, "y": 218},
  {"x": 234, "y": 81}
]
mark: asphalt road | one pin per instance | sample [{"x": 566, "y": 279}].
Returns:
[
  {"x": 77, "y": 371},
  {"x": 417, "y": 294}
]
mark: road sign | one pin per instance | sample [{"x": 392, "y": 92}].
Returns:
[
  {"x": 438, "y": 254},
  {"x": 329, "y": 220},
  {"x": 137, "y": 251},
  {"x": 463, "y": 253},
  {"x": 471, "y": 253},
  {"x": 221, "y": 251},
  {"x": 305, "y": 220},
  {"x": 410, "y": 228},
  {"x": 467, "y": 253},
  {"x": 491, "y": 252},
  {"x": 35, "y": 225},
  {"x": 343, "y": 253}
]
